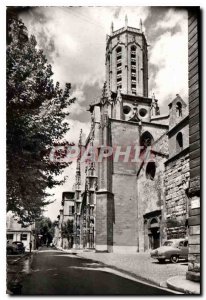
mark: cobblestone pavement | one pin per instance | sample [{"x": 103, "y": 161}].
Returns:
[{"x": 141, "y": 265}]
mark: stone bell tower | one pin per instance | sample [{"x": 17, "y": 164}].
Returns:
[{"x": 127, "y": 60}]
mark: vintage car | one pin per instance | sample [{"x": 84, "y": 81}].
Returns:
[
  {"x": 173, "y": 250},
  {"x": 15, "y": 248}
]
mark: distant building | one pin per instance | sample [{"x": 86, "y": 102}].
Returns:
[
  {"x": 66, "y": 214},
  {"x": 16, "y": 232},
  {"x": 126, "y": 206}
]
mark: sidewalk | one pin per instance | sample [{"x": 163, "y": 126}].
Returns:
[
  {"x": 17, "y": 267},
  {"x": 140, "y": 265},
  {"x": 181, "y": 284}
]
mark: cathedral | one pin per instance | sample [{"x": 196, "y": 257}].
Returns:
[{"x": 121, "y": 203}]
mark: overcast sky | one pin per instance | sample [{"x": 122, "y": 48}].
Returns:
[{"x": 74, "y": 41}]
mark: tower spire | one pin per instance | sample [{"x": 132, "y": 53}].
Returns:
[
  {"x": 111, "y": 28},
  {"x": 140, "y": 25},
  {"x": 126, "y": 21},
  {"x": 80, "y": 138}
]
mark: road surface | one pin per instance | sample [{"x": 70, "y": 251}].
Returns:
[{"x": 57, "y": 273}]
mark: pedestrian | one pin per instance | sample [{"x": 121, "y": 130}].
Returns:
[{"x": 30, "y": 246}]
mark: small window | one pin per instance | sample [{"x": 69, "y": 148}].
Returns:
[
  {"x": 179, "y": 142},
  {"x": 119, "y": 49},
  {"x": 119, "y": 79},
  {"x": 150, "y": 170},
  {"x": 119, "y": 72},
  {"x": 23, "y": 237},
  {"x": 179, "y": 109},
  {"x": 185, "y": 243},
  {"x": 10, "y": 236},
  {"x": 133, "y": 48},
  {"x": 119, "y": 65},
  {"x": 71, "y": 210},
  {"x": 133, "y": 63}
]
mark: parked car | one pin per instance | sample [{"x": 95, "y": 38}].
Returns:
[
  {"x": 172, "y": 249},
  {"x": 15, "y": 248}
]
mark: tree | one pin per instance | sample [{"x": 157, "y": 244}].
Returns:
[
  {"x": 68, "y": 230},
  {"x": 45, "y": 228},
  {"x": 36, "y": 122}
]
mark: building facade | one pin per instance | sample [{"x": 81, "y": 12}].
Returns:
[
  {"x": 63, "y": 234},
  {"x": 126, "y": 198},
  {"x": 16, "y": 232}
]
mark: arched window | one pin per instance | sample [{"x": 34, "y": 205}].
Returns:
[
  {"x": 146, "y": 140},
  {"x": 133, "y": 69},
  {"x": 119, "y": 66},
  {"x": 150, "y": 170},
  {"x": 179, "y": 109},
  {"x": 154, "y": 222},
  {"x": 179, "y": 142}
]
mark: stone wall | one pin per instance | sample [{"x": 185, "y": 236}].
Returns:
[
  {"x": 125, "y": 228},
  {"x": 156, "y": 130},
  {"x": 184, "y": 129},
  {"x": 176, "y": 202},
  {"x": 150, "y": 203},
  {"x": 194, "y": 133},
  {"x": 124, "y": 134}
]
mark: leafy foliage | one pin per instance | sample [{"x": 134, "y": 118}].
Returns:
[
  {"x": 67, "y": 229},
  {"x": 45, "y": 227},
  {"x": 37, "y": 110}
]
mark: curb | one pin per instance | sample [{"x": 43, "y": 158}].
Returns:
[
  {"x": 189, "y": 291},
  {"x": 20, "y": 258}
]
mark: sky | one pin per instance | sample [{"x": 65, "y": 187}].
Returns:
[{"x": 74, "y": 41}]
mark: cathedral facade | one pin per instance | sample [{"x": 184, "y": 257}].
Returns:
[{"x": 133, "y": 169}]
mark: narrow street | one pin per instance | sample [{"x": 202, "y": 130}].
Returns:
[{"x": 56, "y": 273}]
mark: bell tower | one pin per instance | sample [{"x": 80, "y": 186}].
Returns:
[{"x": 127, "y": 60}]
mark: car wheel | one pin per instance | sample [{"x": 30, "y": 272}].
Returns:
[
  {"x": 161, "y": 261},
  {"x": 9, "y": 251},
  {"x": 174, "y": 259}
]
